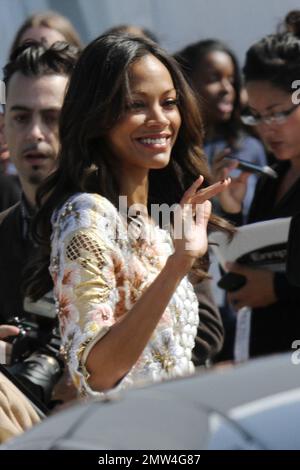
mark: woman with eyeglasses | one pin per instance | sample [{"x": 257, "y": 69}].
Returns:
[{"x": 271, "y": 70}]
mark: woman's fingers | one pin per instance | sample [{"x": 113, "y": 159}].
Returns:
[
  {"x": 243, "y": 177},
  {"x": 224, "y": 168},
  {"x": 202, "y": 213},
  {"x": 192, "y": 190},
  {"x": 192, "y": 196},
  {"x": 8, "y": 330},
  {"x": 211, "y": 191},
  {"x": 219, "y": 157}
]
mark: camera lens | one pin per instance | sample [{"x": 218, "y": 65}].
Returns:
[{"x": 40, "y": 373}]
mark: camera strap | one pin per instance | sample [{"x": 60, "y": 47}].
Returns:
[{"x": 39, "y": 407}]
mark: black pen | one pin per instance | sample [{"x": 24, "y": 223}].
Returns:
[{"x": 252, "y": 168}]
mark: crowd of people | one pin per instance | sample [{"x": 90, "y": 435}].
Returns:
[{"x": 92, "y": 139}]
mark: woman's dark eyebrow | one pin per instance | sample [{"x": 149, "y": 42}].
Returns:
[
  {"x": 268, "y": 108},
  {"x": 140, "y": 92}
]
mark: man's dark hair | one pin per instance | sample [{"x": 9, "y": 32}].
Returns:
[{"x": 35, "y": 59}]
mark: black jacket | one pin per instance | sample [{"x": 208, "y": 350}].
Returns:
[
  {"x": 10, "y": 191},
  {"x": 16, "y": 248},
  {"x": 274, "y": 328},
  {"x": 210, "y": 334}
]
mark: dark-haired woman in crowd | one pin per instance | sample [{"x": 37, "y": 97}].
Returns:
[
  {"x": 129, "y": 127},
  {"x": 272, "y": 65},
  {"x": 291, "y": 23},
  {"x": 213, "y": 70}
]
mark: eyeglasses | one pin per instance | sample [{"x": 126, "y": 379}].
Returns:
[{"x": 275, "y": 118}]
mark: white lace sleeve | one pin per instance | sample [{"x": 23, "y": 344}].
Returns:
[{"x": 83, "y": 267}]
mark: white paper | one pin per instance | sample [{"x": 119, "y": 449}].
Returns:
[{"x": 262, "y": 244}]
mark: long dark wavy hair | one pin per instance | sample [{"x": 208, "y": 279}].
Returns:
[
  {"x": 95, "y": 101},
  {"x": 190, "y": 59}
]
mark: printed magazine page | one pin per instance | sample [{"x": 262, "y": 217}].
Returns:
[{"x": 263, "y": 244}]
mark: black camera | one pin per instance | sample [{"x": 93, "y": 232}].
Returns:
[{"x": 35, "y": 356}]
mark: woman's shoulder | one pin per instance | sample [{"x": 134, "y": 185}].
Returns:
[
  {"x": 87, "y": 202},
  {"x": 84, "y": 211}
]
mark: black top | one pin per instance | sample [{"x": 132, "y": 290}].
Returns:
[
  {"x": 274, "y": 328},
  {"x": 16, "y": 249},
  {"x": 10, "y": 191},
  {"x": 210, "y": 333}
]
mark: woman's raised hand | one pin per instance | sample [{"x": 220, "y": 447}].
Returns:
[
  {"x": 191, "y": 219},
  {"x": 258, "y": 292},
  {"x": 231, "y": 199}
]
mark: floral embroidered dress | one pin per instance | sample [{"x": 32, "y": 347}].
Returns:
[{"x": 100, "y": 267}]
